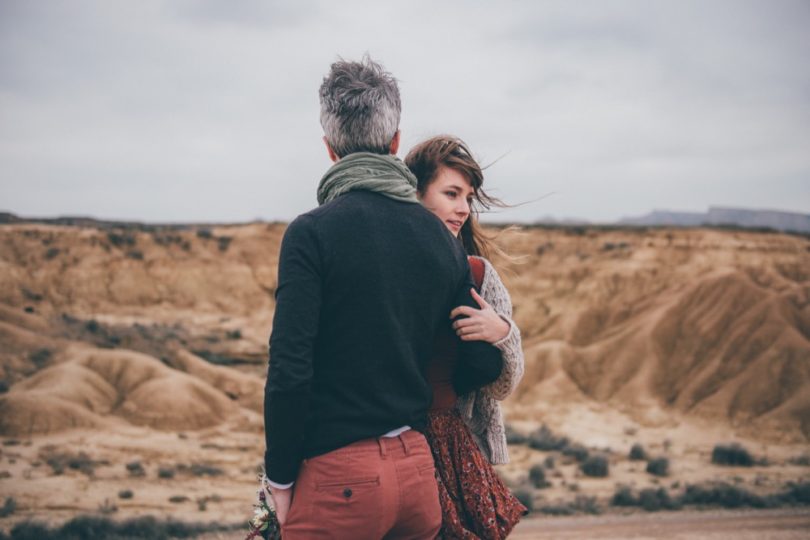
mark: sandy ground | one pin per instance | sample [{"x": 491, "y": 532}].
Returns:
[
  {"x": 781, "y": 524},
  {"x": 739, "y": 525}
]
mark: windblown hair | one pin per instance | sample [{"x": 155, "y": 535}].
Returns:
[
  {"x": 426, "y": 158},
  {"x": 360, "y": 107}
]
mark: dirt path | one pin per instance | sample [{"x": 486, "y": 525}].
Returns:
[{"x": 781, "y": 524}]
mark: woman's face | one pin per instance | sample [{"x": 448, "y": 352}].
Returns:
[{"x": 449, "y": 196}]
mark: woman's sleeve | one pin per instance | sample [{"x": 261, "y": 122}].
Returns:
[{"x": 494, "y": 292}]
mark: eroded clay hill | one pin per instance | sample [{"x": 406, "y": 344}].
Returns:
[
  {"x": 168, "y": 327},
  {"x": 707, "y": 323}
]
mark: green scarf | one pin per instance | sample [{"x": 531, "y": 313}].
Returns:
[{"x": 383, "y": 174}]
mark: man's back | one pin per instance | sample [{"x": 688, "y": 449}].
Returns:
[{"x": 382, "y": 276}]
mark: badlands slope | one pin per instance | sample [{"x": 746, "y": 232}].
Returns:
[
  {"x": 147, "y": 345},
  {"x": 116, "y": 324},
  {"x": 703, "y": 323}
]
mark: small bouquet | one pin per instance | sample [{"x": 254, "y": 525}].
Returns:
[{"x": 264, "y": 523}]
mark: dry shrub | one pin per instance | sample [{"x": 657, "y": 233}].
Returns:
[
  {"x": 103, "y": 528},
  {"x": 60, "y": 461},
  {"x": 733, "y": 454},
  {"x": 582, "y": 504},
  {"x": 544, "y": 439},
  {"x": 134, "y": 468},
  {"x": 658, "y": 466},
  {"x": 596, "y": 466},
  {"x": 637, "y": 453},
  {"x": 515, "y": 437},
  {"x": 537, "y": 476}
]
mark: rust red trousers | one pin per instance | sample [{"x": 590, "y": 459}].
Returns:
[{"x": 371, "y": 489}]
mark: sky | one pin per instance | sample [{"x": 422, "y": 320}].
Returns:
[{"x": 207, "y": 111}]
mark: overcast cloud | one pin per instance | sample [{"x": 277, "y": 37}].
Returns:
[{"x": 208, "y": 110}]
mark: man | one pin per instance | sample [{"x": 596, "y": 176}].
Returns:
[{"x": 365, "y": 282}]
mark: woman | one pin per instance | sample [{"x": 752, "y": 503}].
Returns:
[{"x": 466, "y": 433}]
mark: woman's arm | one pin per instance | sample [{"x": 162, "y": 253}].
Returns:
[{"x": 493, "y": 323}]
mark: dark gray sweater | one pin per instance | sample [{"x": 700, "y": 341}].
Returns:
[{"x": 365, "y": 283}]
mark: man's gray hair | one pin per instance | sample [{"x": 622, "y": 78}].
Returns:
[{"x": 360, "y": 107}]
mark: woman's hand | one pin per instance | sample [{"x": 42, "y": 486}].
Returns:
[{"x": 480, "y": 324}]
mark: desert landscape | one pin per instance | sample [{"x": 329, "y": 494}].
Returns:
[{"x": 666, "y": 369}]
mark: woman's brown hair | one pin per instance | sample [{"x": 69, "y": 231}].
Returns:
[{"x": 424, "y": 161}]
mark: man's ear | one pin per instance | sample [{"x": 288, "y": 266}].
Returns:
[
  {"x": 394, "y": 148},
  {"x": 332, "y": 155}
]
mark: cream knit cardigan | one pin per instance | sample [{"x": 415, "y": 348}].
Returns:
[{"x": 480, "y": 409}]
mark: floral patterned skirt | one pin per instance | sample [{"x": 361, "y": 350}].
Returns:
[{"x": 475, "y": 502}]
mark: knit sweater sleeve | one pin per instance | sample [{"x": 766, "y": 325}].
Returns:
[{"x": 494, "y": 292}]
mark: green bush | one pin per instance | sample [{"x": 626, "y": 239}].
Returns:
[
  {"x": 537, "y": 476},
  {"x": 103, "y": 528},
  {"x": 596, "y": 466},
  {"x": 624, "y": 496},
  {"x": 135, "y": 468},
  {"x": 732, "y": 454},
  {"x": 576, "y": 451},
  {"x": 797, "y": 493},
  {"x": 32, "y": 530},
  {"x": 59, "y": 461},
  {"x": 223, "y": 242},
  {"x": 121, "y": 240},
  {"x": 637, "y": 453},
  {"x": 582, "y": 504},
  {"x": 558, "y": 509},
  {"x": 725, "y": 496},
  {"x": 514, "y": 437},
  {"x": 8, "y": 507},
  {"x": 721, "y": 495},
  {"x": 658, "y": 466},
  {"x": 653, "y": 500},
  {"x": 543, "y": 439}
]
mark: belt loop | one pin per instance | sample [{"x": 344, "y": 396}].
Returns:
[
  {"x": 381, "y": 442},
  {"x": 405, "y": 446}
]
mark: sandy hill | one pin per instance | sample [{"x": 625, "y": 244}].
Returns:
[
  {"x": 706, "y": 323},
  {"x": 167, "y": 327}
]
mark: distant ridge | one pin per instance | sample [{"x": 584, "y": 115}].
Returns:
[
  {"x": 716, "y": 216},
  {"x": 721, "y": 215},
  {"x": 8, "y": 218}
]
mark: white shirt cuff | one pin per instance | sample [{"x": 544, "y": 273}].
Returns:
[{"x": 280, "y": 486}]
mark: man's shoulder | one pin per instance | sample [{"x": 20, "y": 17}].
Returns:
[
  {"x": 367, "y": 203},
  {"x": 343, "y": 203}
]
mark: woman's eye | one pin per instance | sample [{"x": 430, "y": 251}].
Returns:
[{"x": 451, "y": 194}]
